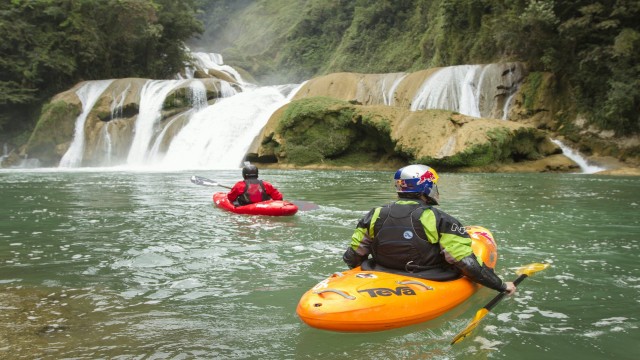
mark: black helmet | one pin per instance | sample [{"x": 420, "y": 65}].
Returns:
[{"x": 250, "y": 171}]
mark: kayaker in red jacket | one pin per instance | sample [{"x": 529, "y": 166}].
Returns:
[
  {"x": 251, "y": 190},
  {"x": 412, "y": 235}
]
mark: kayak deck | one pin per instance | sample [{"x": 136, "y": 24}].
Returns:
[
  {"x": 360, "y": 300},
  {"x": 269, "y": 207}
]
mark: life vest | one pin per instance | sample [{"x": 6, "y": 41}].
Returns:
[
  {"x": 254, "y": 192},
  {"x": 400, "y": 241}
]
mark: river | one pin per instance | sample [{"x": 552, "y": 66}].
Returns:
[{"x": 107, "y": 264}]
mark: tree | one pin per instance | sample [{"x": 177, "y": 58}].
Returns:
[{"x": 49, "y": 45}]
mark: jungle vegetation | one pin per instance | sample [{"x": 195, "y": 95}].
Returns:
[
  {"x": 49, "y": 45},
  {"x": 593, "y": 46}
]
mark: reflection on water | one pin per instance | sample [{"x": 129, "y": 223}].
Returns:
[{"x": 142, "y": 265}]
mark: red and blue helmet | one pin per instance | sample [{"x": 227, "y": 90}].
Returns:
[{"x": 418, "y": 179}]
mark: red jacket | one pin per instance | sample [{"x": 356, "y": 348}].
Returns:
[{"x": 254, "y": 192}]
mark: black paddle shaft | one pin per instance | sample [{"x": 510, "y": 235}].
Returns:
[{"x": 499, "y": 297}]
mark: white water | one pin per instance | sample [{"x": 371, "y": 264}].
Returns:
[
  {"x": 118, "y": 102},
  {"x": 219, "y": 136},
  {"x": 388, "y": 94},
  {"x": 5, "y": 152},
  {"x": 578, "y": 159},
  {"x": 450, "y": 88},
  {"x": 198, "y": 95},
  {"x": 88, "y": 95},
  {"x": 507, "y": 102},
  {"x": 473, "y": 90},
  {"x": 212, "y": 61},
  {"x": 469, "y": 93},
  {"x": 153, "y": 95}
]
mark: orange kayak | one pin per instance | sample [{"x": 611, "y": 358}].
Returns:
[{"x": 360, "y": 300}]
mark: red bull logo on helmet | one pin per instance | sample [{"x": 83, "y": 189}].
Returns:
[{"x": 429, "y": 176}]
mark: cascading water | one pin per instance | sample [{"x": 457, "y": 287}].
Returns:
[
  {"x": 469, "y": 93},
  {"x": 445, "y": 89},
  {"x": 118, "y": 102},
  {"x": 213, "y": 61},
  {"x": 116, "y": 112},
  {"x": 473, "y": 90},
  {"x": 5, "y": 152},
  {"x": 198, "y": 95},
  {"x": 88, "y": 94},
  {"x": 198, "y": 103},
  {"x": 578, "y": 159},
  {"x": 152, "y": 97},
  {"x": 218, "y": 136},
  {"x": 513, "y": 89},
  {"x": 388, "y": 94}
]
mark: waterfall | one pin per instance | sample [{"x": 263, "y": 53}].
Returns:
[
  {"x": 578, "y": 159},
  {"x": 106, "y": 136},
  {"x": 203, "y": 136},
  {"x": 445, "y": 89},
  {"x": 88, "y": 94},
  {"x": 471, "y": 90},
  {"x": 469, "y": 99},
  {"x": 513, "y": 88},
  {"x": 197, "y": 134},
  {"x": 152, "y": 97},
  {"x": 118, "y": 102},
  {"x": 212, "y": 61},
  {"x": 219, "y": 136},
  {"x": 5, "y": 153},
  {"x": 388, "y": 94},
  {"x": 505, "y": 108},
  {"x": 198, "y": 95}
]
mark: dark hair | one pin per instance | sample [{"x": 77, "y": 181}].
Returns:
[{"x": 414, "y": 195}]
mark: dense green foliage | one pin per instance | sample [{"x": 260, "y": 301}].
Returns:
[
  {"x": 594, "y": 46},
  {"x": 49, "y": 45}
]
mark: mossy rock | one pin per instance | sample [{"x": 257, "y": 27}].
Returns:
[
  {"x": 56, "y": 126},
  {"x": 322, "y": 129}
]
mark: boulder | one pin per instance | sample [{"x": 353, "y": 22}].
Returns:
[{"x": 331, "y": 132}]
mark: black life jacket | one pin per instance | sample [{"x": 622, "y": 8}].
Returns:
[
  {"x": 400, "y": 241},
  {"x": 254, "y": 192}
]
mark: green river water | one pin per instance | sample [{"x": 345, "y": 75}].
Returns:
[{"x": 140, "y": 265}]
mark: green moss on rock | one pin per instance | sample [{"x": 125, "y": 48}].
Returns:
[
  {"x": 321, "y": 129},
  {"x": 56, "y": 126},
  {"x": 504, "y": 146}
]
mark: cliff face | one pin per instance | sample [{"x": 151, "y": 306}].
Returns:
[
  {"x": 324, "y": 132},
  {"x": 360, "y": 121},
  {"x": 535, "y": 104}
]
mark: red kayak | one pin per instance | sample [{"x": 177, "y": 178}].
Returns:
[{"x": 269, "y": 207}]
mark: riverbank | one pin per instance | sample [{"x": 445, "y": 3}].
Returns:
[{"x": 556, "y": 164}]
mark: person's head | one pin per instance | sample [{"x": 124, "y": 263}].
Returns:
[
  {"x": 249, "y": 171},
  {"x": 415, "y": 181}
]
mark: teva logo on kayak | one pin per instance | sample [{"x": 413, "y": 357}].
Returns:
[{"x": 399, "y": 291}]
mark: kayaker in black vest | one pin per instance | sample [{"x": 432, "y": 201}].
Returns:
[
  {"x": 251, "y": 190},
  {"x": 411, "y": 234}
]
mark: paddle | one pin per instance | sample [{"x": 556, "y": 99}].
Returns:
[
  {"x": 199, "y": 180},
  {"x": 302, "y": 205},
  {"x": 524, "y": 272}
]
